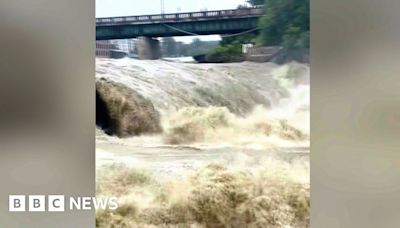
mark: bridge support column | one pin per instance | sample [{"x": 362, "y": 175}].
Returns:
[{"x": 148, "y": 48}]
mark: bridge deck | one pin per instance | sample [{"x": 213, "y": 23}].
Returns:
[
  {"x": 179, "y": 24},
  {"x": 182, "y": 17}
]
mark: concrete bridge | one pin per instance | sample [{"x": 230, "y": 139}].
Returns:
[{"x": 146, "y": 27}]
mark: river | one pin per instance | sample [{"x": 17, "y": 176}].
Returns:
[{"x": 245, "y": 117}]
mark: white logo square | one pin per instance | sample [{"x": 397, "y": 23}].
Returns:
[
  {"x": 16, "y": 203},
  {"x": 37, "y": 203},
  {"x": 56, "y": 203}
]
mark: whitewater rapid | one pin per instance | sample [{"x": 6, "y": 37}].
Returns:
[
  {"x": 233, "y": 150},
  {"x": 253, "y": 97},
  {"x": 174, "y": 85}
]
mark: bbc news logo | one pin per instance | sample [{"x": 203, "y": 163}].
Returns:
[{"x": 58, "y": 203}]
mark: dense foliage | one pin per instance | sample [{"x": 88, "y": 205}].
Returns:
[
  {"x": 286, "y": 23},
  {"x": 233, "y": 45},
  {"x": 255, "y": 2}
]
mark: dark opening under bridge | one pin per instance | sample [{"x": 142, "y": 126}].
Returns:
[{"x": 179, "y": 24}]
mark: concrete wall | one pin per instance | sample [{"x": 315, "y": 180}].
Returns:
[
  {"x": 261, "y": 54},
  {"x": 276, "y": 54},
  {"x": 148, "y": 48}
]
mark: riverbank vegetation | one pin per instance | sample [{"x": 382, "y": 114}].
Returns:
[{"x": 285, "y": 24}]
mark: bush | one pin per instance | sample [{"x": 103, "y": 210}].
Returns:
[{"x": 286, "y": 23}]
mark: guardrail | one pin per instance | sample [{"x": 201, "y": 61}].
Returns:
[{"x": 253, "y": 11}]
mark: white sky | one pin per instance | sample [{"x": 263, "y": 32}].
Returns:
[{"x": 112, "y": 8}]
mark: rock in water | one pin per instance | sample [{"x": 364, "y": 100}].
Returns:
[{"x": 123, "y": 112}]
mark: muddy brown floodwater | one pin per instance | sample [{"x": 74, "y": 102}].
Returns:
[{"x": 233, "y": 151}]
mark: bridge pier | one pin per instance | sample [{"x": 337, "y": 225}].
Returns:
[{"x": 148, "y": 48}]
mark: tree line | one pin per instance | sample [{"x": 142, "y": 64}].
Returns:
[
  {"x": 286, "y": 23},
  {"x": 172, "y": 48}
]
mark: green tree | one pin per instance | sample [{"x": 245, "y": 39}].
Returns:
[
  {"x": 169, "y": 46},
  {"x": 286, "y": 23},
  {"x": 256, "y": 2}
]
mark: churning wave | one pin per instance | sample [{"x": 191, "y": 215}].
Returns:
[{"x": 205, "y": 102}]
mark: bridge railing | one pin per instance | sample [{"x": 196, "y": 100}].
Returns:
[{"x": 254, "y": 11}]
